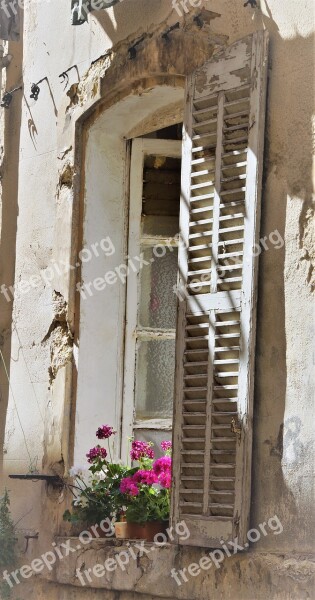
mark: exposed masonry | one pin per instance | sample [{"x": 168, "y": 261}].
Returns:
[
  {"x": 307, "y": 240},
  {"x": 59, "y": 336},
  {"x": 294, "y": 574},
  {"x": 66, "y": 175},
  {"x": 156, "y": 51}
]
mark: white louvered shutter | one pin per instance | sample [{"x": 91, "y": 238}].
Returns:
[{"x": 220, "y": 209}]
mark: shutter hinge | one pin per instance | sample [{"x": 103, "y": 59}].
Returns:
[
  {"x": 236, "y": 522},
  {"x": 236, "y": 428}
]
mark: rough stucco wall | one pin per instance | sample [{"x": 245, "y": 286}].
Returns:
[{"x": 283, "y": 425}]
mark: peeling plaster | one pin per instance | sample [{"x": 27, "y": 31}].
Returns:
[
  {"x": 59, "y": 337},
  {"x": 307, "y": 240},
  {"x": 66, "y": 175}
]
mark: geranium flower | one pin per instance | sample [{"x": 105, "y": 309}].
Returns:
[
  {"x": 104, "y": 432},
  {"x": 141, "y": 450},
  {"x": 166, "y": 446},
  {"x": 162, "y": 465},
  {"x": 128, "y": 486},
  {"x": 97, "y": 452},
  {"x": 145, "y": 477},
  {"x": 165, "y": 479}
]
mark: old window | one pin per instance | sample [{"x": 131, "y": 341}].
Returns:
[
  {"x": 215, "y": 331},
  {"x": 151, "y": 290},
  {"x": 213, "y": 338}
]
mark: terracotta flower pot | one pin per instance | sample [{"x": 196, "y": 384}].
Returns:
[
  {"x": 121, "y": 530},
  {"x": 147, "y": 531}
]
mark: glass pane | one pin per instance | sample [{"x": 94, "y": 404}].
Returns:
[
  {"x": 155, "y": 379},
  {"x": 157, "y": 297}
]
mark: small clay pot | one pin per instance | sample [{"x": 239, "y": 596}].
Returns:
[
  {"x": 147, "y": 531},
  {"x": 121, "y": 530}
]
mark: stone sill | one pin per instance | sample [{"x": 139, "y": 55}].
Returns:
[
  {"x": 145, "y": 563},
  {"x": 148, "y": 568}
]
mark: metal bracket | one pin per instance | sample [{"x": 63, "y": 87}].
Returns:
[
  {"x": 65, "y": 77},
  {"x": 7, "y": 98},
  {"x": 52, "y": 479},
  {"x": 35, "y": 89}
]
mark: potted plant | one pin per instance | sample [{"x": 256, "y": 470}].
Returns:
[
  {"x": 146, "y": 493},
  {"x": 136, "y": 499}
]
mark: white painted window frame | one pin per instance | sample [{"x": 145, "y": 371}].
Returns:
[{"x": 141, "y": 148}]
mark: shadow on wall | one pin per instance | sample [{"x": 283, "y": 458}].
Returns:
[
  {"x": 9, "y": 214},
  {"x": 287, "y": 171},
  {"x": 114, "y": 22}
]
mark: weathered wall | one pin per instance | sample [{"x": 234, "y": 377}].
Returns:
[{"x": 42, "y": 220}]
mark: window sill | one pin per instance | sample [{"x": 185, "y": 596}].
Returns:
[
  {"x": 150, "y": 573},
  {"x": 115, "y": 564}
]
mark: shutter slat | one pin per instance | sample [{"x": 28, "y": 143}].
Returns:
[
  {"x": 233, "y": 153},
  {"x": 197, "y": 186},
  {"x": 202, "y": 173},
  {"x": 198, "y": 113}
]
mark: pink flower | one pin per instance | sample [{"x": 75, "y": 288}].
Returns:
[
  {"x": 165, "y": 479},
  {"x": 145, "y": 477},
  {"x": 128, "y": 486},
  {"x": 96, "y": 453},
  {"x": 141, "y": 450},
  {"x": 162, "y": 465},
  {"x": 104, "y": 432},
  {"x": 166, "y": 446}
]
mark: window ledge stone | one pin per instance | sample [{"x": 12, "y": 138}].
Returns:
[
  {"x": 131, "y": 565},
  {"x": 149, "y": 572}
]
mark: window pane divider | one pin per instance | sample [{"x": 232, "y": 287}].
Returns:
[
  {"x": 161, "y": 240},
  {"x": 147, "y": 333},
  {"x": 165, "y": 424}
]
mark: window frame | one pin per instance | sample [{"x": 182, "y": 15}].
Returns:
[{"x": 140, "y": 148}]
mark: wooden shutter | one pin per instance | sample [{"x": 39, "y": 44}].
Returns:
[{"x": 220, "y": 200}]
